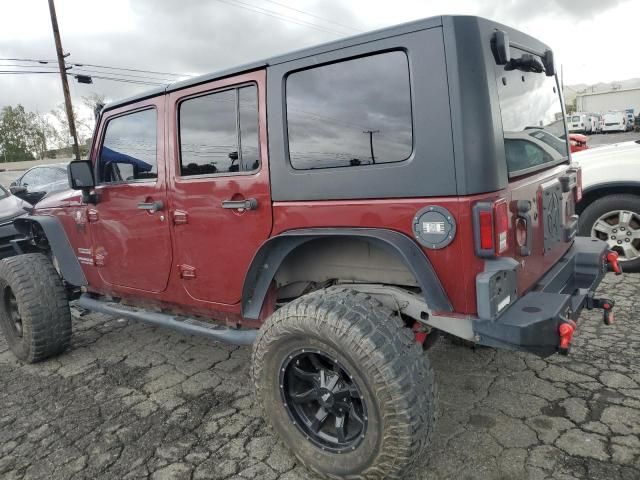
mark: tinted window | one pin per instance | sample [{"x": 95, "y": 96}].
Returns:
[
  {"x": 356, "y": 112},
  {"x": 128, "y": 151},
  {"x": 532, "y": 118},
  {"x": 219, "y": 132}
]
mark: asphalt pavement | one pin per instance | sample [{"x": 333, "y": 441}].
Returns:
[{"x": 132, "y": 401}]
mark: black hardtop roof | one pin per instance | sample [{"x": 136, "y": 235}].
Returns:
[
  {"x": 387, "y": 32},
  {"x": 325, "y": 47}
]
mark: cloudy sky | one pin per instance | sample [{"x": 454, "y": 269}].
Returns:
[{"x": 595, "y": 40}]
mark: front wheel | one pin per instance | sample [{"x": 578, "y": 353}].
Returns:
[
  {"x": 616, "y": 220},
  {"x": 345, "y": 385},
  {"x": 34, "y": 310}
]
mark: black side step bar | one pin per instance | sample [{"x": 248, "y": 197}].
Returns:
[{"x": 186, "y": 325}]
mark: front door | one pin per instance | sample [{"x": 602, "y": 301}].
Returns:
[
  {"x": 220, "y": 198},
  {"x": 129, "y": 224}
]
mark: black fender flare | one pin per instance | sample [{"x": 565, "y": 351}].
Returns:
[
  {"x": 272, "y": 253},
  {"x": 61, "y": 248}
]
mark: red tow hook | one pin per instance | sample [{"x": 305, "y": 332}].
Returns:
[
  {"x": 612, "y": 259},
  {"x": 566, "y": 330},
  {"x": 419, "y": 334}
]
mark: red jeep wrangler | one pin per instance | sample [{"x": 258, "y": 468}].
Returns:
[{"x": 336, "y": 207}]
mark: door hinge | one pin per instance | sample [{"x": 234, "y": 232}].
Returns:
[
  {"x": 187, "y": 272},
  {"x": 180, "y": 217},
  {"x": 92, "y": 215}
]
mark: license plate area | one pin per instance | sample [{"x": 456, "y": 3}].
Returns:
[{"x": 553, "y": 226}]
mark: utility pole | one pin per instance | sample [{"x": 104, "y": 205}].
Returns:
[
  {"x": 65, "y": 84},
  {"x": 371, "y": 132}
]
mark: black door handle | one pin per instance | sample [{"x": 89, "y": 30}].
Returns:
[
  {"x": 248, "y": 204},
  {"x": 151, "y": 207}
]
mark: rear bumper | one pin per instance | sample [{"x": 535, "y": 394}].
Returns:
[{"x": 531, "y": 324}]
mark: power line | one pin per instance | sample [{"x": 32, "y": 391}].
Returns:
[
  {"x": 82, "y": 64},
  {"x": 81, "y": 70},
  {"x": 141, "y": 82},
  {"x": 314, "y": 15},
  {"x": 12, "y": 65},
  {"x": 23, "y": 72},
  {"x": 100, "y": 77},
  {"x": 28, "y": 60},
  {"x": 85, "y": 70},
  {"x": 279, "y": 16}
]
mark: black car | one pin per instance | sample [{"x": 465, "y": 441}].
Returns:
[
  {"x": 11, "y": 207},
  {"x": 36, "y": 182}
]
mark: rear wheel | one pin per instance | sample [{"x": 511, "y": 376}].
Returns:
[
  {"x": 345, "y": 385},
  {"x": 616, "y": 220},
  {"x": 34, "y": 311}
]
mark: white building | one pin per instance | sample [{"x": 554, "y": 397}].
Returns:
[{"x": 599, "y": 102}]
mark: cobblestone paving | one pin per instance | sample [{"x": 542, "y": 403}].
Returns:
[{"x": 131, "y": 401}]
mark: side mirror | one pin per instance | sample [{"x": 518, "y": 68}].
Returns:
[
  {"x": 17, "y": 189},
  {"x": 501, "y": 47},
  {"x": 549, "y": 64},
  {"x": 80, "y": 173}
]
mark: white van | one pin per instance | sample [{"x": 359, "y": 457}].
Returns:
[
  {"x": 615, "y": 122},
  {"x": 577, "y": 122},
  {"x": 596, "y": 122}
]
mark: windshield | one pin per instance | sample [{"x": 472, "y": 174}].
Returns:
[
  {"x": 532, "y": 119},
  {"x": 575, "y": 119}
]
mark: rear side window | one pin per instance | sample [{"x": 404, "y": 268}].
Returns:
[
  {"x": 219, "y": 133},
  {"x": 350, "y": 113},
  {"x": 128, "y": 151}
]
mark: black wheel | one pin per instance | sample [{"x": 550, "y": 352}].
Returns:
[
  {"x": 34, "y": 311},
  {"x": 616, "y": 220},
  {"x": 345, "y": 385}
]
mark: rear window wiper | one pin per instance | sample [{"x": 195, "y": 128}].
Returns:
[{"x": 526, "y": 63}]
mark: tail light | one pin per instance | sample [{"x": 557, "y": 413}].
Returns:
[{"x": 491, "y": 227}]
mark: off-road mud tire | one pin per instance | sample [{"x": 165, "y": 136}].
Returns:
[
  {"x": 41, "y": 303},
  {"x": 392, "y": 372}
]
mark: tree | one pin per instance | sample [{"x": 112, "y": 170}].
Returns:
[
  {"x": 23, "y": 135},
  {"x": 84, "y": 119},
  {"x": 16, "y": 142}
]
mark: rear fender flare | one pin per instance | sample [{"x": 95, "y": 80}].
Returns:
[
  {"x": 61, "y": 248},
  {"x": 273, "y": 252}
]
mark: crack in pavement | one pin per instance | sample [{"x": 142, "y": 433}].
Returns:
[{"x": 133, "y": 401}]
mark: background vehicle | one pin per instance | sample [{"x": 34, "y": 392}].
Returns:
[
  {"x": 596, "y": 123},
  {"x": 38, "y": 181},
  {"x": 11, "y": 207},
  {"x": 578, "y": 122},
  {"x": 403, "y": 192},
  {"x": 637, "y": 124},
  {"x": 614, "y": 122},
  {"x": 610, "y": 208},
  {"x": 630, "y": 120}
]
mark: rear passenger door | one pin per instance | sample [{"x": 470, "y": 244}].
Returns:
[{"x": 220, "y": 197}]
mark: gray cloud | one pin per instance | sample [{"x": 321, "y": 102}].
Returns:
[
  {"x": 519, "y": 10},
  {"x": 190, "y": 36}
]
